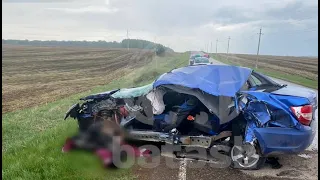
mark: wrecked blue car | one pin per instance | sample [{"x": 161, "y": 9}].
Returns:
[{"x": 209, "y": 106}]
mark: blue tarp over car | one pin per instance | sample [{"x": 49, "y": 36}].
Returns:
[{"x": 217, "y": 80}]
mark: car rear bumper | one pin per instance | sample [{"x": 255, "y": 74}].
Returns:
[{"x": 274, "y": 140}]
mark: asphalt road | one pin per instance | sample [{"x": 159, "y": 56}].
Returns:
[{"x": 302, "y": 166}]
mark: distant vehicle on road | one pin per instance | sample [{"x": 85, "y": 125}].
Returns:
[
  {"x": 206, "y": 55},
  {"x": 192, "y": 57},
  {"x": 201, "y": 61}
]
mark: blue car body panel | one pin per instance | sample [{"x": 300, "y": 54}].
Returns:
[
  {"x": 277, "y": 139},
  {"x": 291, "y": 90},
  {"x": 217, "y": 80},
  {"x": 284, "y": 140}
]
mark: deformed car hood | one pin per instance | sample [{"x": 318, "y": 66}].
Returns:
[{"x": 217, "y": 80}]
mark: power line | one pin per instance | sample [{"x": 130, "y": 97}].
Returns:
[
  {"x": 246, "y": 37},
  {"x": 311, "y": 29},
  {"x": 253, "y": 33},
  {"x": 300, "y": 20},
  {"x": 292, "y": 32},
  {"x": 305, "y": 30},
  {"x": 286, "y": 32}
]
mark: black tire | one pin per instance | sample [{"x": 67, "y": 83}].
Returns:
[{"x": 258, "y": 165}]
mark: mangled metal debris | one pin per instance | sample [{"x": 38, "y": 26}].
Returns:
[{"x": 206, "y": 106}]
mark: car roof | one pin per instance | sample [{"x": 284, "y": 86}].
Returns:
[{"x": 218, "y": 80}]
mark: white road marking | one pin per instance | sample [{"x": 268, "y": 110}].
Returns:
[
  {"x": 183, "y": 170},
  {"x": 306, "y": 156}
]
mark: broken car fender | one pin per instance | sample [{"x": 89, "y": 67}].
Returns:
[
  {"x": 73, "y": 111},
  {"x": 258, "y": 108}
]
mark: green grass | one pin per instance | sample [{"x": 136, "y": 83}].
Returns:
[
  {"x": 33, "y": 137},
  {"x": 280, "y": 75}
]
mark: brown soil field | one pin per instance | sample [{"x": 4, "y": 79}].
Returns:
[
  {"x": 36, "y": 75},
  {"x": 304, "y": 66}
]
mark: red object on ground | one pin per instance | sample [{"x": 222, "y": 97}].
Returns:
[
  {"x": 68, "y": 145},
  {"x": 105, "y": 155},
  {"x": 146, "y": 153},
  {"x": 140, "y": 152}
]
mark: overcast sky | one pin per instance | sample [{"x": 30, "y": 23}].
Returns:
[{"x": 289, "y": 27}]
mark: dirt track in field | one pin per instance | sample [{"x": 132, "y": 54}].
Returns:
[
  {"x": 304, "y": 66},
  {"x": 37, "y": 75}
]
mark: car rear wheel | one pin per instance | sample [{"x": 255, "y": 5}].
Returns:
[{"x": 246, "y": 157}]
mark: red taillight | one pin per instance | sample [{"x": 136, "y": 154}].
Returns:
[{"x": 303, "y": 114}]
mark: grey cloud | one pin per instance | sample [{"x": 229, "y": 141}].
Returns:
[
  {"x": 295, "y": 10},
  {"x": 153, "y": 15},
  {"x": 181, "y": 24},
  {"x": 232, "y": 14}
]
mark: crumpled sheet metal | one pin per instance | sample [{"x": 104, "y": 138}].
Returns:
[{"x": 258, "y": 114}]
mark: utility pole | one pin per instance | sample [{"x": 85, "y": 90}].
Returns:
[
  {"x": 258, "y": 48},
  {"x": 216, "y": 46},
  {"x": 228, "y": 45},
  {"x": 155, "y": 51},
  {"x": 128, "y": 40},
  {"x": 207, "y": 48},
  {"x": 211, "y": 47},
  {"x": 155, "y": 45},
  {"x": 228, "y": 48}
]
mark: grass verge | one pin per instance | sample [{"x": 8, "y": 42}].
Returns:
[
  {"x": 33, "y": 137},
  {"x": 280, "y": 75}
]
